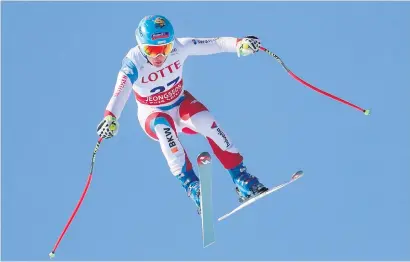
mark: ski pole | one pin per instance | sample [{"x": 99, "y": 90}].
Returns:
[
  {"x": 97, "y": 146},
  {"x": 365, "y": 111}
]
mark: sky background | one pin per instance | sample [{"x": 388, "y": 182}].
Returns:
[{"x": 59, "y": 66}]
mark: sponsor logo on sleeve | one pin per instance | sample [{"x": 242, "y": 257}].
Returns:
[{"x": 204, "y": 41}]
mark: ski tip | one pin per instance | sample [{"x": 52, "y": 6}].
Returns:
[
  {"x": 221, "y": 218},
  {"x": 204, "y": 158},
  {"x": 297, "y": 175},
  {"x": 209, "y": 243}
]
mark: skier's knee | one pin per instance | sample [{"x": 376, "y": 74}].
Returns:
[
  {"x": 155, "y": 119},
  {"x": 202, "y": 122},
  {"x": 190, "y": 107}
]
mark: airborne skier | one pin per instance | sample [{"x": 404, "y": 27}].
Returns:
[{"x": 153, "y": 71}]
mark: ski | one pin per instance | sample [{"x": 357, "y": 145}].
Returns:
[
  {"x": 294, "y": 177},
  {"x": 205, "y": 177}
]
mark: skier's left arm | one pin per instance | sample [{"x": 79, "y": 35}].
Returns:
[{"x": 208, "y": 46}]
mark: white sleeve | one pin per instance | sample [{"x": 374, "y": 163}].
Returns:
[
  {"x": 208, "y": 46},
  {"x": 120, "y": 96},
  {"x": 125, "y": 79}
]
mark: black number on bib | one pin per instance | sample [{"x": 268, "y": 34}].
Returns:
[
  {"x": 173, "y": 82},
  {"x": 160, "y": 89}
]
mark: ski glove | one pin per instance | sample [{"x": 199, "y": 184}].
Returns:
[
  {"x": 108, "y": 127},
  {"x": 248, "y": 45}
]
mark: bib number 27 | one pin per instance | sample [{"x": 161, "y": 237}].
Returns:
[{"x": 160, "y": 89}]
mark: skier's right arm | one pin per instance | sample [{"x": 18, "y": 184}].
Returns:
[{"x": 128, "y": 74}]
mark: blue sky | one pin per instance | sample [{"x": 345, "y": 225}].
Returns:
[{"x": 59, "y": 65}]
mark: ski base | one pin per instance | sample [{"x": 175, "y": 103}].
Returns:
[
  {"x": 205, "y": 178},
  {"x": 294, "y": 177}
]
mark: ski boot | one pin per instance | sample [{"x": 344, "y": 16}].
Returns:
[
  {"x": 190, "y": 183},
  {"x": 194, "y": 192},
  {"x": 247, "y": 185}
]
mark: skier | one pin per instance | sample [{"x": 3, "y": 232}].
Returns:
[{"x": 153, "y": 71}]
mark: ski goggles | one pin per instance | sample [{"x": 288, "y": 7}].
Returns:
[{"x": 156, "y": 50}]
